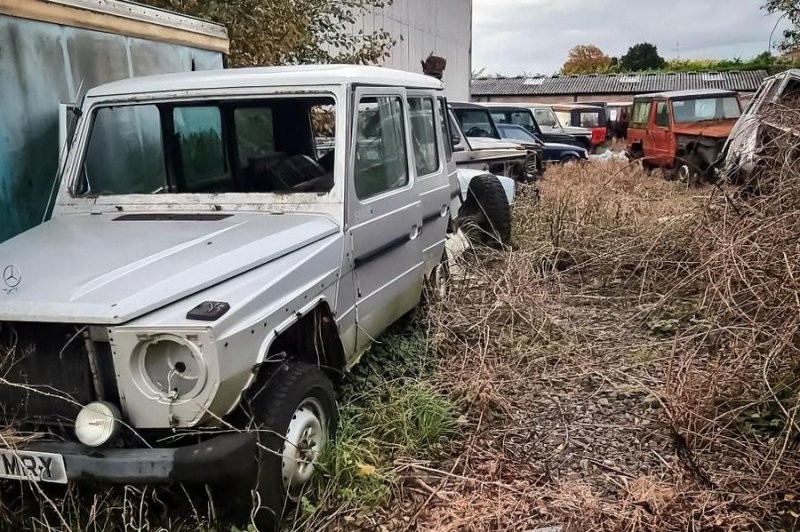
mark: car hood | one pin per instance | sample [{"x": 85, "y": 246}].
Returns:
[
  {"x": 109, "y": 269},
  {"x": 483, "y": 143},
  {"x": 579, "y": 131},
  {"x": 564, "y": 147},
  {"x": 710, "y": 128}
]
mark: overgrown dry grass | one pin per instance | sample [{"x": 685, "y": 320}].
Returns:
[{"x": 631, "y": 366}]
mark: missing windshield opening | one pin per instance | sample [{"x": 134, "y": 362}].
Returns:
[{"x": 277, "y": 145}]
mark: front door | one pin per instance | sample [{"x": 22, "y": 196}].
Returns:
[
  {"x": 384, "y": 213},
  {"x": 662, "y": 145}
]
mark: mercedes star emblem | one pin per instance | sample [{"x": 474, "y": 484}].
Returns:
[{"x": 12, "y": 276}]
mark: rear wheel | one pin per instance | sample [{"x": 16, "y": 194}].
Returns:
[
  {"x": 295, "y": 415},
  {"x": 486, "y": 215}
]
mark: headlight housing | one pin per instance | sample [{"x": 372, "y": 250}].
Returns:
[
  {"x": 97, "y": 424},
  {"x": 171, "y": 366}
]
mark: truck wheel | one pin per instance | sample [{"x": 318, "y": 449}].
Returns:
[
  {"x": 486, "y": 215},
  {"x": 295, "y": 414},
  {"x": 691, "y": 169}
]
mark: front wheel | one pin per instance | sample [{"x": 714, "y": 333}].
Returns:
[
  {"x": 691, "y": 169},
  {"x": 295, "y": 415}
]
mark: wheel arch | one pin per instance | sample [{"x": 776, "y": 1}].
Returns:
[{"x": 311, "y": 335}]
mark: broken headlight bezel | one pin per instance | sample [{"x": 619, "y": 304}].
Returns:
[{"x": 169, "y": 367}]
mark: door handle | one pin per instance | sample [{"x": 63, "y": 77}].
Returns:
[{"x": 414, "y": 233}]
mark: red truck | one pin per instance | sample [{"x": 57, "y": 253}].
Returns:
[
  {"x": 683, "y": 131},
  {"x": 591, "y": 117}
]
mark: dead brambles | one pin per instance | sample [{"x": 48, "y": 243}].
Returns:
[{"x": 631, "y": 364}]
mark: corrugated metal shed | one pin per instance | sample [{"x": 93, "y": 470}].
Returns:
[{"x": 619, "y": 83}]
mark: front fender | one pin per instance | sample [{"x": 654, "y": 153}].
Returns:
[{"x": 262, "y": 302}]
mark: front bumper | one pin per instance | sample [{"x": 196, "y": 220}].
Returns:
[{"x": 218, "y": 460}]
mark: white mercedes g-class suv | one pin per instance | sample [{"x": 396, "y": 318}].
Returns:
[{"x": 223, "y": 246}]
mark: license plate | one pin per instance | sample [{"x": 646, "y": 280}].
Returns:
[{"x": 32, "y": 466}]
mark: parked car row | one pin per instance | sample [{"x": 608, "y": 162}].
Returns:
[{"x": 518, "y": 124}]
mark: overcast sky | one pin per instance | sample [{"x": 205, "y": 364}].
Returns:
[{"x": 534, "y": 36}]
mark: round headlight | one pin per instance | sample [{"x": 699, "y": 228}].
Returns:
[
  {"x": 173, "y": 367},
  {"x": 97, "y": 423}
]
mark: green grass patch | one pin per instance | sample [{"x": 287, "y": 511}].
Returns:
[{"x": 389, "y": 409}]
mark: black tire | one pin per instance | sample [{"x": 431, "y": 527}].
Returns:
[
  {"x": 486, "y": 215},
  {"x": 274, "y": 403},
  {"x": 692, "y": 169},
  {"x": 569, "y": 158}
]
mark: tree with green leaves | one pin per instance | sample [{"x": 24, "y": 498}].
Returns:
[
  {"x": 789, "y": 9},
  {"x": 642, "y": 56},
  {"x": 279, "y": 32}
]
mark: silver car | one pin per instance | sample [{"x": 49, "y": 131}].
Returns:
[
  {"x": 765, "y": 119},
  {"x": 223, "y": 246}
]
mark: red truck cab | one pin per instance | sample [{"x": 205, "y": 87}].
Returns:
[
  {"x": 585, "y": 116},
  {"x": 682, "y": 128}
]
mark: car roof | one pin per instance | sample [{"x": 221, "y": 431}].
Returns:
[
  {"x": 792, "y": 72},
  {"x": 466, "y": 105},
  {"x": 576, "y": 107},
  {"x": 500, "y": 105},
  {"x": 671, "y": 95},
  {"x": 268, "y": 77},
  {"x": 532, "y": 105}
]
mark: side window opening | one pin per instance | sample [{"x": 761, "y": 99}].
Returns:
[
  {"x": 423, "y": 135},
  {"x": 641, "y": 113},
  {"x": 255, "y": 133},
  {"x": 199, "y": 135},
  {"x": 381, "y": 159},
  {"x": 444, "y": 127},
  {"x": 662, "y": 114},
  {"x": 455, "y": 129},
  {"x": 545, "y": 117},
  {"x": 791, "y": 92},
  {"x": 276, "y": 145},
  {"x": 500, "y": 118}
]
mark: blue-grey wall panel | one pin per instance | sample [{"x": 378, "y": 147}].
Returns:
[{"x": 43, "y": 65}]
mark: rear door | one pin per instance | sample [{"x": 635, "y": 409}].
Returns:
[
  {"x": 432, "y": 180},
  {"x": 384, "y": 212}
]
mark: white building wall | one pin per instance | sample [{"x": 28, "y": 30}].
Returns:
[{"x": 422, "y": 27}]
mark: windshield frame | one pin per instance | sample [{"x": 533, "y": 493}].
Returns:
[
  {"x": 521, "y": 110},
  {"x": 457, "y": 110},
  {"x": 69, "y": 202},
  {"x": 675, "y": 120},
  {"x": 518, "y": 127}
]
